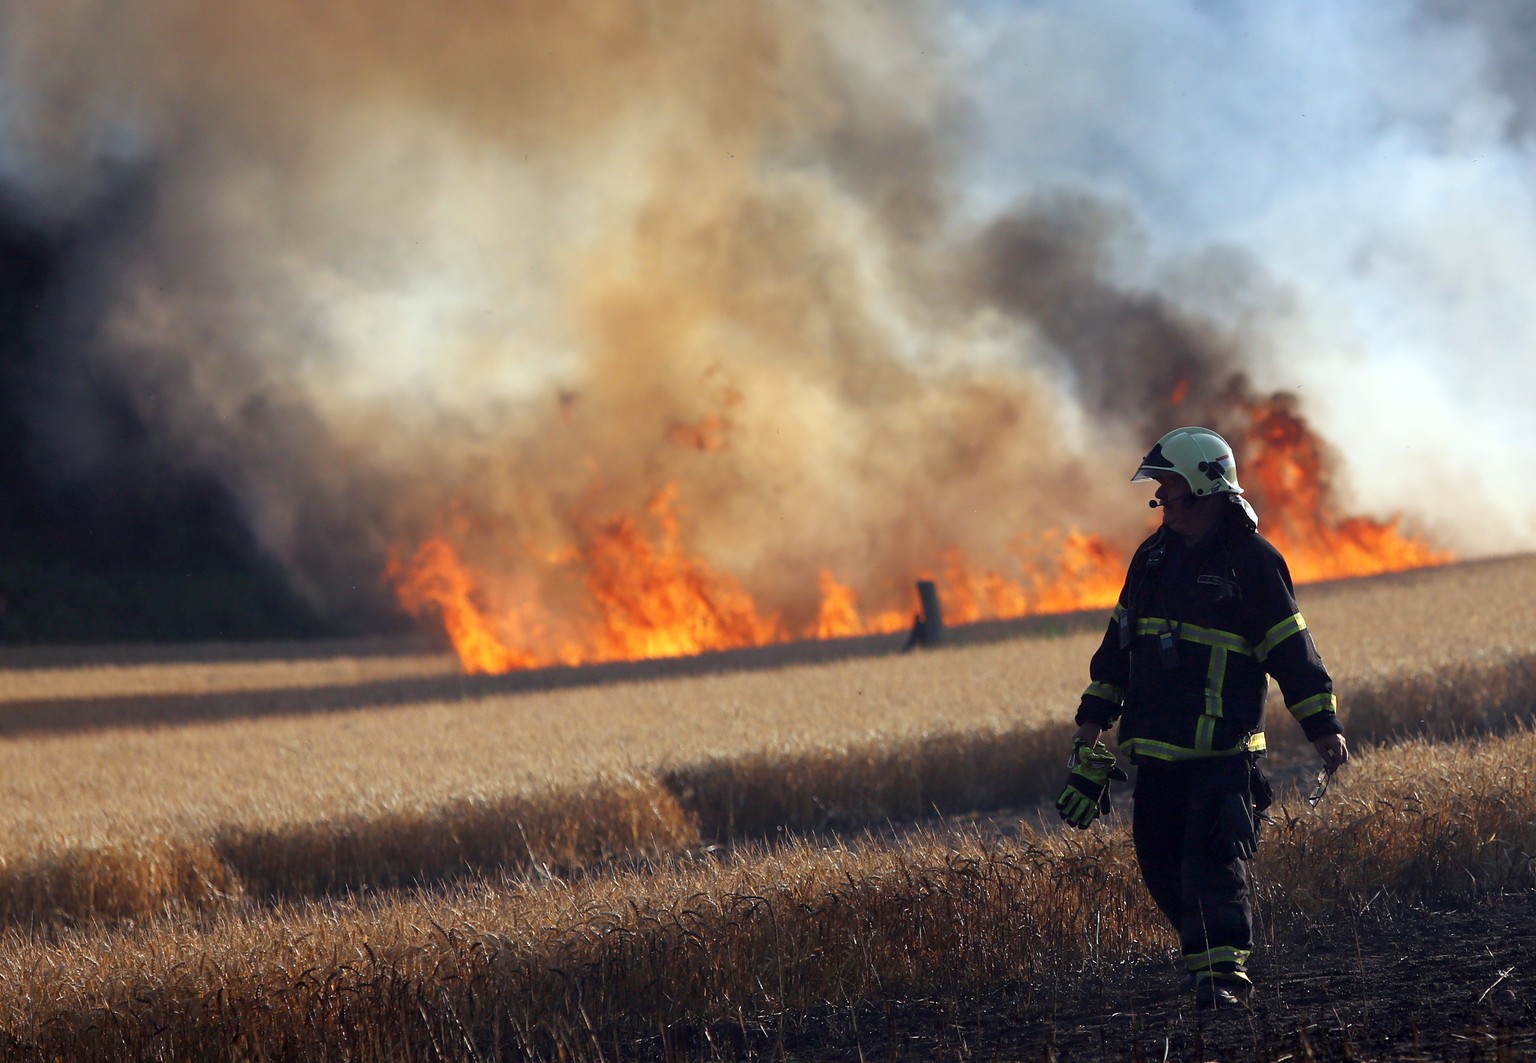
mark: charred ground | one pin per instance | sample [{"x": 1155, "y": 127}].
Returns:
[
  {"x": 1417, "y": 984},
  {"x": 1442, "y": 980}
]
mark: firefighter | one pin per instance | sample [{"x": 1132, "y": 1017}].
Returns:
[{"x": 1207, "y": 614}]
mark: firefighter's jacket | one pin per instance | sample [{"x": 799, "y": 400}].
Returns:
[{"x": 1197, "y": 631}]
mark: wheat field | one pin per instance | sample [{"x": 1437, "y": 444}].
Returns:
[{"x": 274, "y": 855}]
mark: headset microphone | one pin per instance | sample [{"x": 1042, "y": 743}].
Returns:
[{"x": 1155, "y": 503}]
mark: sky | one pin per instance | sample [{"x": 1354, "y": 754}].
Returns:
[{"x": 865, "y": 282}]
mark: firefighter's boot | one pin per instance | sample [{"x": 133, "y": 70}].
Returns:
[{"x": 1216, "y": 994}]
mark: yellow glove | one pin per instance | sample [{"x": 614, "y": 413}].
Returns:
[{"x": 1086, "y": 796}]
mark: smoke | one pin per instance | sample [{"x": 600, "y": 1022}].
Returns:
[
  {"x": 864, "y": 281},
  {"x": 1372, "y": 161}
]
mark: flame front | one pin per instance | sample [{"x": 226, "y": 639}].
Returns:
[
  {"x": 648, "y": 599},
  {"x": 644, "y": 598},
  {"x": 639, "y": 594}
]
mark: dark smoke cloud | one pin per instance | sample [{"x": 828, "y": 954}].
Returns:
[{"x": 1128, "y": 352}]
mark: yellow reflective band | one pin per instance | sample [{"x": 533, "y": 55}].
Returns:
[
  {"x": 1146, "y": 747},
  {"x": 1223, "y": 640},
  {"x": 1215, "y": 681},
  {"x": 1291, "y": 625},
  {"x": 1204, "y": 961},
  {"x": 1205, "y": 734},
  {"x": 1204, "y": 636},
  {"x": 1107, "y": 691},
  {"x": 1118, "y": 611},
  {"x": 1315, "y": 704}
]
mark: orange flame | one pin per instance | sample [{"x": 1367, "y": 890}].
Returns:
[
  {"x": 639, "y": 594},
  {"x": 645, "y": 597},
  {"x": 655, "y": 601},
  {"x": 1286, "y": 472},
  {"x": 436, "y": 578}
]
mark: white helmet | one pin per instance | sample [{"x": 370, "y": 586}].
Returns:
[{"x": 1199, "y": 455}]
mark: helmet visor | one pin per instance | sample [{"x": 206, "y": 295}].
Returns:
[{"x": 1155, "y": 464}]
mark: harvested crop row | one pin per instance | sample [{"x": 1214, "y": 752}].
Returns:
[
  {"x": 127, "y": 821},
  {"x": 769, "y": 933},
  {"x": 610, "y": 820}
]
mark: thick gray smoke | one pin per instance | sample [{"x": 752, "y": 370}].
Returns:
[{"x": 864, "y": 281}]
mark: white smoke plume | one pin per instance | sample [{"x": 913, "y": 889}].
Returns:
[{"x": 864, "y": 281}]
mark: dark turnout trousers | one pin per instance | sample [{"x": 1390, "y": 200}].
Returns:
[{"x": 1203, "y": 893}]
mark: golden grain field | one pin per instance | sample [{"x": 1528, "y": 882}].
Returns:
[
  {"x": 228, "y": 872},
  {"x": 525, "y": 968}
]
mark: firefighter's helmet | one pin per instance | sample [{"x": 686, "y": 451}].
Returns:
[{"x": 1199, "y": 455}]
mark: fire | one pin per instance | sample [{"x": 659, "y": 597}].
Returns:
[
  {"x": 630, "y": 590},
  {"x": 1084, "y": 572},
  {"x": 655, "y": 601},
  {"x": 436, "y": 578},
  {"x": 839, "y": 614},
  {"x": 644, "y": 598},
  {"x": 1286, "y": 472}
]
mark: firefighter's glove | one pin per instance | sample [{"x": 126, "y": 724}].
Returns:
[
  {"x": 1086, "y": 796},
  {"x": 1235, "y": 834}
]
